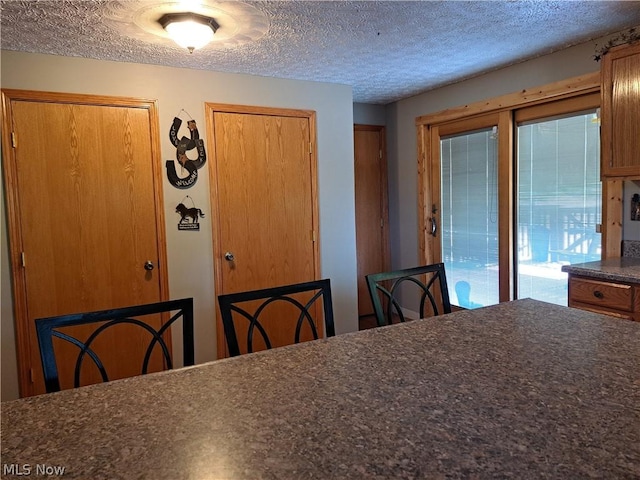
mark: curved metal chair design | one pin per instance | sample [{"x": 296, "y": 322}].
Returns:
[
  {"x": 48, "y": 328},
  {"x": 431, "y": 281},
  {"x": 231, "y": 312}
]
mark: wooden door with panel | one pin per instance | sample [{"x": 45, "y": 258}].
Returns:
[
  {"x": 85, "y": 214},
  {"x": 372, "y": 223},
  {"x": 264, "y": 193}
]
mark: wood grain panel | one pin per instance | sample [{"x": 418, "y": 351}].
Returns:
[
  {"x": 603, "y": 294},
  {"x": 433, "y": 198},
  {"x": 84, "y": 213},
  {"x": 621, "y": 300},
  {"x": 527, "y": 97},
  {"x": 626, "y": 105},
  {"x": 506, "y": 207},
  {"x": 603, "y": 311},
  {"x": 68, "y": 194},
  {"x": 612, "y": 217},
  {"x": 621, "y": 112},
  {"x": 371, "y": 208},
  {"x": 265, "y": 197}
]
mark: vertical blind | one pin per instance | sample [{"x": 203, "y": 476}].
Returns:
[
  {"x": 558, "y": 201},
  {"x": 470, "y": 216}
]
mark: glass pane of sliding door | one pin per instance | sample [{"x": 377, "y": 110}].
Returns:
[
  {"x": 469, "y": 230},
  {"x": 558, "y": 202}
]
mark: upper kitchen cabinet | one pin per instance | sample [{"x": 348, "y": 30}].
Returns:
[{"x": 620, "y": 131}]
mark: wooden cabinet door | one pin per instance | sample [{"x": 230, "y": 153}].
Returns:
[
  {"x": 85, "y": 214},
  {"x": 264, "y": 196},
  {"x": 372, "y": 244},
  {"x": 621, "y": 112}
]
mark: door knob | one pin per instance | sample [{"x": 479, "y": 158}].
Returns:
[
  {"x": 229, "y": 257},
  {"x": 148, "y": 265}
]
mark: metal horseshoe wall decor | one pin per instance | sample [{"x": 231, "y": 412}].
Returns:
[
  {"x": 183, "y": 145},
  {"x": 188, "y": 215}
]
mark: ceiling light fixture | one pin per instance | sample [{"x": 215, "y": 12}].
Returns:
[{"x": 189, "y": 30}]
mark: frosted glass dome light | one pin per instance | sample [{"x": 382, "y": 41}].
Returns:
[{"x": 189, "y": 30}]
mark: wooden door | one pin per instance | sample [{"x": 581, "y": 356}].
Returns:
[
  {"x": 264, "y": 193},
  {"x": 85, "y": 214},
  {"x": 372, "y": 243}
]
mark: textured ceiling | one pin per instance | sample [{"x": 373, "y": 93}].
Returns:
[{"x": 386, "y": 50}]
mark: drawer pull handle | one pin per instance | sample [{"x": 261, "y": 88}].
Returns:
[{"x": 598, "y": 294}]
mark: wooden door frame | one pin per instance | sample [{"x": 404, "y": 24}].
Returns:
[
  {"x": 21, "y": 324},
  {"x": 384, "y": 180},
  {"x": 210, "y": 109}
]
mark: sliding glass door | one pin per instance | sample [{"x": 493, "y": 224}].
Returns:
[
  {"x": 512, "y": 196},
  {"x": 558, "y": 201}
]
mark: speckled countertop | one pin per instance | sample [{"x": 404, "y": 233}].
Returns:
[
  {"x": 623, "y": 269},
  {"x": 631, "y": 248},
  {"x": 524, "y": 390}
]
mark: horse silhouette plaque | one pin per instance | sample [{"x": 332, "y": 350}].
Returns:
[{"x": 189, "y": 216}]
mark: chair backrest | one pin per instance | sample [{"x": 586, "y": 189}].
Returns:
[
  {"x": 58, "y": 326},
  {"x": 430, "y": 280},
  {"x": 254, "y": 311}
]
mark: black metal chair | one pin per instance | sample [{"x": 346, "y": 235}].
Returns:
[
  {"x": 258, "y": 306},
  {"x": 50, "y": 327},
  {"x": 430, "y": 280}
]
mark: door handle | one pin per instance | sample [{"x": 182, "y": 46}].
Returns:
[
  {"x": 148, "y": 265},
  {"x": 434, "y": 225},
  {"x": 229, "y": 257}
]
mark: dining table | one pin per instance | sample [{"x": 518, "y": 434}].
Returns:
[{"x": 522, "y": 389}]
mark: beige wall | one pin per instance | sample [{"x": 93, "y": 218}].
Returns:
[
  {"x": 190, "y": 253},
  {"x": 366, "y": 114}
]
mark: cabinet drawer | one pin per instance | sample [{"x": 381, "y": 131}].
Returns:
[{"x": 604, "y": 294}]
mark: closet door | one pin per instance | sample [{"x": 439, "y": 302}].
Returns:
[
  {"x": 372, "y": 211},
  {"x": 86, "y": 223},
  {"x": 263, "y": 179}
]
